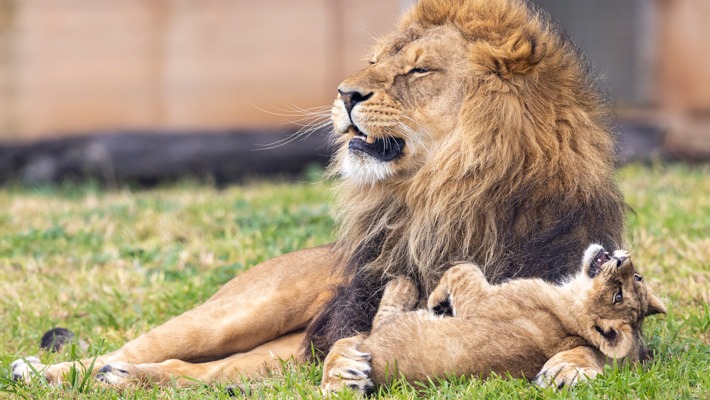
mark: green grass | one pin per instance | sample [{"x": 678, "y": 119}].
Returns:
[{"x": 110, "y": 265}]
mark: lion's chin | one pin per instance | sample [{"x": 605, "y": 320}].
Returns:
[{"x": 363, "y": 169}]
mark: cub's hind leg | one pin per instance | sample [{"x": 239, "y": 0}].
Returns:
[
  {"x": 458, "y": 290},
  {"x": 401, "y": 294}
]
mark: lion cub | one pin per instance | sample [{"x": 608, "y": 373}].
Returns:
[{"x": 513, "y": 327}]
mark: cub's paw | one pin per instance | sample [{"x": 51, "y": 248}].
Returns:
[
  {"x": 25, "y": 370},
  {"x": 443, "y": 308},
  {"x": 118, "y": 373},
  {"x": 347, "y": 367},
  {"x": 564, "y": 375},
  {"x": 400, "y": 293},
  {"x": 439, "y": 301}
]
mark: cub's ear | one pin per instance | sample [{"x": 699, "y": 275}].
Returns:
[
  {"x": 655, "y": 306},
  {"x": 614, "y": 338},
  {"x": 518, "y": 55}
]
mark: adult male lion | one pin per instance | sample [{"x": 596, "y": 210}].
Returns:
[{"x": 474, "y": 134}]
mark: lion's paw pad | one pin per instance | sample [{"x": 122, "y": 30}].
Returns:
[{"x": 114, "y": 373}]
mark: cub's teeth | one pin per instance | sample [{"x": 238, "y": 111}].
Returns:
[{"x": 370, "y": 140}]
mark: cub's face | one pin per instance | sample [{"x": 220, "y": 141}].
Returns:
[
  {"x": 616, "y": 302},
  {"x": 390, "y": 116}
]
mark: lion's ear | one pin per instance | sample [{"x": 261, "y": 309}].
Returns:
[
  {"x": 518, "y": 55},
  {"x": 655, "y": 306}
]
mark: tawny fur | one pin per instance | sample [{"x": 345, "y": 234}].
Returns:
[
  {"x": 512, "y": 327},
  {"x": 506, "y": 149}
]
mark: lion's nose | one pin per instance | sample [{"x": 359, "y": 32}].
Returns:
[{"x": 350, "y": 99}]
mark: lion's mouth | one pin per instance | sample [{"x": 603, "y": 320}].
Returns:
[{"x": 383, "y": 149}]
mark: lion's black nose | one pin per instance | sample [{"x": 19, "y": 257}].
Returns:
[
  {"x": 620, "y": 261},
  {"x": 352, "y": 98}
]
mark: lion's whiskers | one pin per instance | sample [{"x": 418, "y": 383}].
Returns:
[
  {"x": 418, "y": 134},
  {"x": 410, "y": 135},
  {"x": 310, "y": 120}
]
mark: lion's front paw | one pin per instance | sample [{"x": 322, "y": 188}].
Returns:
[
  {"x": 118, "y": 373},
  {"x": 564, "y": 375},
  {"x": 347, "y": 367},
  {"x": 25, "y": 370}
]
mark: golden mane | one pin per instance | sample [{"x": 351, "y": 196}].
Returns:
[
  {"x": 520, "y": 180},
  {"x": 530, "y": 153}
]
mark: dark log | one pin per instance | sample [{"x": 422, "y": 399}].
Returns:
[{"x": 150, "y": 157}]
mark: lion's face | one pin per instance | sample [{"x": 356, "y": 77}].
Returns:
[
  {"x": 616, "y": 302},
  {"x": 389, "y": 116}
]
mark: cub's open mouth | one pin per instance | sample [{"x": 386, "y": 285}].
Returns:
[
  {"x": 385, "y": 149},
  {"x": 599, "y": 259}
]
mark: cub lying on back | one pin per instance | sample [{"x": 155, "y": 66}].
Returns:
[{"x": 513, "y": 327}]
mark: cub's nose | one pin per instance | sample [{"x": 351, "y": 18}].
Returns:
[
  {"x": 621, "y": 261},
  {"x": 350, "y": 99}
]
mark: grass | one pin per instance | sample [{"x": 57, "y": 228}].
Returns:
[{"x": 110, "y": 265}]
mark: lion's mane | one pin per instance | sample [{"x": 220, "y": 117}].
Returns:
[{"x": 522, "y": 185}]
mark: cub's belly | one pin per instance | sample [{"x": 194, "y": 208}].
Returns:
[{"x": 418, "y": 347}]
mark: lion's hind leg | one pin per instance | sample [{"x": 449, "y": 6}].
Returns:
[
  {"x": 258, "y": 362},
  {"x": 401, "y": 294}
]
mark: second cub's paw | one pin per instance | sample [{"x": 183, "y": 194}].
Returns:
[
  {"x": 25, "y": 370},
  {"x": 564, "y": 375},
  {"x": 346, "y": 367}
]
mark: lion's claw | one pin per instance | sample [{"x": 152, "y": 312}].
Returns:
[{"x": 347, "y": 367}]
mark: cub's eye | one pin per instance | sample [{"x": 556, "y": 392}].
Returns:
[
  {"x": 618, "y": 297},
  {"x": 419, "y": 70},
  {"x": 638, "y": 278}
]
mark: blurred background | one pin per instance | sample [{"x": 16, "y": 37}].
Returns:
[{"x": 135, "y": 90}]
